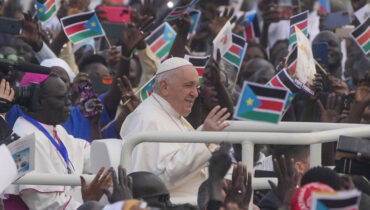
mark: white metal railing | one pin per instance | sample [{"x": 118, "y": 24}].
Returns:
[{"x": 284, "y": 133}]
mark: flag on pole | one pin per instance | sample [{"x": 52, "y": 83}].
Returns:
[
  {"x": 324, "y": 7},
  {"x": 46, "y": 9},
  {"x": 82, "y": 26},
  {"x": 305, "y": 69},
  {"x": 292, "y": 60},
  {"x": 161, "y": 40},
  {"x": 177, "y": 12},
  {"x": 147, "y": 89},
  {"x": 200, "y": 63},
  {"x": 363, "y": 13},
  {"x": 251, "y": 25},
  {"x": 236, "y": 52},
  {"x": 283, "y": 80},
  {"x": 361, "y": 35},
  {"x": 301, "y": 21},
  {"x": 260, "y": 103},
  {"x": 194, "y": 20},
  {"x": 180, "y": 10},
  {"x": 223, "y": 40},
  {"x": 343, "y": 200}
]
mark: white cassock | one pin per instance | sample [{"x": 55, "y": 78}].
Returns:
[
  {"x": 181, "y": 166},
  {"x": 49, "y": 160}
]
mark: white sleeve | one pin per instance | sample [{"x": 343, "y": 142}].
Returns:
[
  {"x": 40, "y": 201},
  {"x": 44, "y": 53}
]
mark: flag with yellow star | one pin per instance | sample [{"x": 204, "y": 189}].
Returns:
[
  {"x": 46, "y": 9},
  {"x": 82, "y": 26},
  {"x": 261, "y": 103},
  {"x": 147, "y": 89},
  {"x": 194, "y": 16},
  {"x": 161, "y": 40},
  {"x": 251, "y": 25}
]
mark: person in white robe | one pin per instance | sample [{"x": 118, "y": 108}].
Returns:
[
  {"x": 181, "y": 166},
  {"x": 51, "y": 111}
]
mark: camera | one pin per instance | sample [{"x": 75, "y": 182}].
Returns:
[{"x": 26, "y": 96}]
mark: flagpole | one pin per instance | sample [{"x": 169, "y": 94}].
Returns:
[
  {"x": 234, "y": 85},
  {"x": 137, "y": 91},
  {"x": 321, "y": 68},
  {"x": 106, "y": 38}
]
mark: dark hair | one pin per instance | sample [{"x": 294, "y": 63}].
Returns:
[
  {"x": 90, "y": 59},
  {"x": 185, "y": 206},
  {"x": 323, "y": 175},
  {"x": 298, "y": 152},
  {"x": 259, "y": 46}
]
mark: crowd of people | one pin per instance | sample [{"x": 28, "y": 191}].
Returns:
[{"x": 174, "y": 175}]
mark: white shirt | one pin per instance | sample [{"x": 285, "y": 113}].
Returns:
[
  {"x": 178, "y": 165},
  {"x": 49, "y": 160}
]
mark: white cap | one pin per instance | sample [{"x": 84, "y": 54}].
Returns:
[
  {"x": 172, "y": 63},
  {"x": 60, "y": 63}
]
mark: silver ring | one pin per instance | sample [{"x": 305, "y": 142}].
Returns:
[
  {"x": 240, "y": 192},
  {"x": 218, "y": 123},
  {"x": 142, "y": 32}
]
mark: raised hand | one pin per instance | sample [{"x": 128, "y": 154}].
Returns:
[
  {"x": 113, "y": 56},
  {"x": 94, "y": 191},
  {"x": 215, "y": 119},
  {"x": 122, "y": 187},
  {"x": 183, "y": 24},
  {"x": 127, "y": 94},
  {"x": 287, "y": 178},
  {"x": 239, "y": 25},
  {"x": 148, "y": 8},
  {"x": 220, "y": 162},
  {"x": 219, "y": 21},
  {"x": 6, "y": 92},
  {"x": 98, "y": 108},
  {"x": 131, "y": 38},
  {"x": 80, "y": 78},
  {"x": 31, "y": 32},
  {"x": 317, "y": 86},
  {"x": 240, "y": 191},
  {"x": 332, "y": 111}
]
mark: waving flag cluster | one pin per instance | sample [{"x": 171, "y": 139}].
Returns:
[
  {"x": 82, "y": 26},
  {"x": 161, "y": 40},
  {"x": 46, "y": 9}
]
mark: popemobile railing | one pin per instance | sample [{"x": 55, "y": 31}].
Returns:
[{"x": 242, "y": 132}]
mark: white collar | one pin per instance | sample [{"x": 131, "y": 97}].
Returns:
[{"x": 166, "y": 106}]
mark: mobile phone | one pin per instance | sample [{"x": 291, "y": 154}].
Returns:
[
  {"x": 285, "y": 11},
  {"x": 115, "y": 14},
  {"x": 353, "y": 145},
  {"x": 10, "y": 26},
  {"x": 101, "y": 85},
  {"x": 320, "y": 50},
  {"x": 336, "y": 20},
  {"x": 87, "y": 97}
]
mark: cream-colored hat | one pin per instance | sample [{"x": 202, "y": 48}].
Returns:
[{"x": 172, "y": 63}]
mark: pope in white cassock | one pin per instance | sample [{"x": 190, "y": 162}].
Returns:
[{"x": 180, "y": 165}]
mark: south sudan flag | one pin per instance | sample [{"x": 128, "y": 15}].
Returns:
[
  {"x": 362, "y": 36},
  {"x": 236, "y": 52},
  {"x": 46, "y": 9},
  {"x": 161, "y": 40},
  {"x": 301, "y": 21},
  {"x": 261, "y": 103},
  {"x": 82, "y": 26},
  {"x": 199, "y": 63},
  {"x": 147, "y": 89}
]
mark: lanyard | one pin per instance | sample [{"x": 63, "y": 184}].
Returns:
[{"x": 61, "y": 148}]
